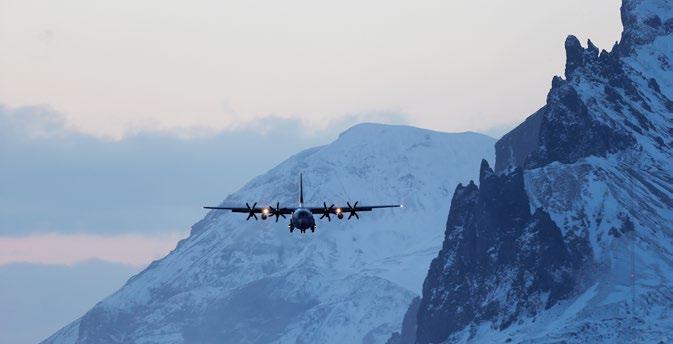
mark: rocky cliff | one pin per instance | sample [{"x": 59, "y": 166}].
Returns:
[{"x": 571, "y": 237}]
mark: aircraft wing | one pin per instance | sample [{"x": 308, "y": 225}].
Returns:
[
  {"x": 235, "y": 209},
  {"x": 352, "y": 210},
  {"x": 345, "y": 209},
  {"x": 253, "y": 210}
]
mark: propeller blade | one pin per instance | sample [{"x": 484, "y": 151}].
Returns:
[
  {"x": 251, "y": 211},
  {"x": 352, "y": 211},
  {"x": 327, "y": 211},
  {"x": 277, "y": 211}
]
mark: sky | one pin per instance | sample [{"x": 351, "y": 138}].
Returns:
[
  {"x": 39, "y": 299},
  {"x": 80, "y": 214},
  {"x": 120, "y": 119},
  {"x": 200, "y": 66},
  {"x": 66, "y": 192}
]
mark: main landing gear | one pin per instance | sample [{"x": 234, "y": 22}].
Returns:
[{"x": 292, "y": 228}]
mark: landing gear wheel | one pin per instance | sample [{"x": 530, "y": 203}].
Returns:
[
  {"x": 291, "y": 227},
  {"x": 313, "y": 228}
]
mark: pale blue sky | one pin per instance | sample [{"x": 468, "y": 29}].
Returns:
[{"x": 39, "y": 299}]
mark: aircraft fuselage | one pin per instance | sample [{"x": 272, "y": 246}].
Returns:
[{"x": 302, "y": 219}]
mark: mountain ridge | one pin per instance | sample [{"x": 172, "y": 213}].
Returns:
[
  {"x": 595, "y": 164},
  {"x": 237, "y": 281}
]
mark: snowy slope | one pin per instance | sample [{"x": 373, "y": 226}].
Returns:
[
  {"x": 233, "y": 281},
  {"x": 597, "y": 160}
]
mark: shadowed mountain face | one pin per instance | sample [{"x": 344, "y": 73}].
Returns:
[
  {"x": 571, "y": 238},
  {"x": 499, "y": 261},
  {"x": 233, "y": 281}
]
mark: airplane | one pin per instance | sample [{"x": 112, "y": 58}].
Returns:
[{"x": 302, "y": 216}]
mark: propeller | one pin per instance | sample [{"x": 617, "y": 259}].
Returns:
[
  {"x": 251, "y": 211},
  {"x": 351, "y": 210},
  {"x": 276, "y": 211},
  {"x": 326, "y": 211}
]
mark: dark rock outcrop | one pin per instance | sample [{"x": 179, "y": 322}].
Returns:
[
  {"x": 564, "y": 130},
  {"x": 591, "y": 156},
  {"x": 408, "y": 333},
  {"x": 514, "y": 147},
  {"x": 642, "y": 28},
  {"x": 498, "y": 260},
  {"x": 568, "y": 132}
]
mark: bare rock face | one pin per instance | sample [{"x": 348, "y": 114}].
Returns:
[
  {"x": 571, "y": 237},
  {"x": 499, "y": 261}
]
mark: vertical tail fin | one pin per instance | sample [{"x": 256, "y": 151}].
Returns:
[{"x": 301, "y": 190}]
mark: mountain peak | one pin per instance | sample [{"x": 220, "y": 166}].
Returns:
[
  {"x": 577, "y": 211},
  {"x": 644, "y": 21},
  {"x": 368, "y": 128},
  {"x": 577, "y": 56},
  {"x": 322, "y": 287},
  {"x": 485, "y": 171},
  {"x": 365, "y": 129}
]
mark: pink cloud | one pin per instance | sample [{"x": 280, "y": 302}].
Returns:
[{"x": 68, "y": 249}]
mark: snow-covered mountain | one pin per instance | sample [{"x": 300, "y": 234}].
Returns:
[
  {"x": 570, "y": 238},
  {"x": 233, "y": 281}
]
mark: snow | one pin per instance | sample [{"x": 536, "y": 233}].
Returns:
[
  {"x": 594, "y": 196},
  {"x": 621, "y": 203},
  {"x": 351, "y": 281}
]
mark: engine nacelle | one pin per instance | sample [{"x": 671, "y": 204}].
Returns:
[{"x": 265, "y": 213}]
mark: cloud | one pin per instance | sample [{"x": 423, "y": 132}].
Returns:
[
  {"x": 58, "y": 180},
  {"x": 69, "y": 249},
  {"x": 69, "y": 197}
]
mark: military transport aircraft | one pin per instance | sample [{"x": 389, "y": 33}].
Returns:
[{"x": 302, "y": 216}]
